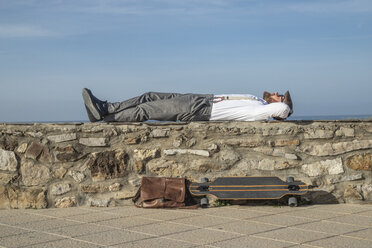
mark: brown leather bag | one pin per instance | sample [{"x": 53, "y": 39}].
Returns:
[{"x": 163, "y": 192}]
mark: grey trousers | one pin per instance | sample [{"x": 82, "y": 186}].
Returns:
[{"x": 161, "y": 107}]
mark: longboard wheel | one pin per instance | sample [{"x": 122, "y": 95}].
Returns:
[
  {"x": 289, "y": 179},
  {"x": 204, "y": 202},
  {"x": 292, "y": 202},
  {"x": 204, "y": 180}
]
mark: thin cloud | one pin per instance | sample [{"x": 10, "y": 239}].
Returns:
[
  {"x": 346, "y": 6},
  {"x": 24, "y": 31}
]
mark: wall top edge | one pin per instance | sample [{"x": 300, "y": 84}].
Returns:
[{"x": 179, "y": 123}]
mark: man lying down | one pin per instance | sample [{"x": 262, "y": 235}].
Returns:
[{"x": 190, "y": 107}]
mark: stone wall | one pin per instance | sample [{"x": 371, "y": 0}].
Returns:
[{"x": 100, "y": 164}]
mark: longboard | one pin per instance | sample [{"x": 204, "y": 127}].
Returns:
[{"x": 249, "y": 188}]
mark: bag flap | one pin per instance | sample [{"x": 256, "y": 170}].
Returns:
[
  {"x": 175, "y": 189},
  {"x": 152, "y": 188}
]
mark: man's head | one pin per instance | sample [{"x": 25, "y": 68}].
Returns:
[{"x": 276, "y": 97}]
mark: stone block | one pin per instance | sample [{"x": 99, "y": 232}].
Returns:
[
  {"x": 330, "y": 149},
  {"x": 213, "y": 148},
  {"x": 360, "y": 162},
  {"x": 166, "y": 168},
  {"x": 5, "y": 178},
  {"x": 60, "y": 188},
  {"x": 62, "y": 137},
  {"x": 8, "y": 143},
  {"x": 344, "y": 178},
  {"x": 22, "y": 148},
  {"x": 159, "y": 133},
  {"x": 93, "y": 141},
  {"x": 65, "y": 202},
  {"x": 8, "y": 160},
  {"x": 171, "y": 152},
  {"x": 272, "y": 164},
  {"x": 127, "y": 194},
  {"x": 100, "y": 188},
  {"x": 114, "y": 187},
  {"x": 138, "y": 167},
  {"x": 191, "y": 142},
  {"x": 45, "y": 155},
  {"x": 66, "y": 154},
  {"x": 243, "y": 142},
  {"x": 351, "y": 194},
  {"x": 325, "y": 167},
  {"x": 131, "y": 141},
  {"x": 367, "y": 192},
  {"x": 4, "y": 200},
  {"x": 93, "y": 188},
  {"x": 34, "y": 150},
  {"x": 312, "y": 133},
  {"x": 78, "y": 176},
  {"x": 284, "y": 142},
  {"x": 228, "y": 156},
  {"x": 277, "y": 152},
  {"x": 108, "y": 164},
  {"x": 59, "y": 173},
  {"x": 146, "y": 154},
  {"x": 99, "y": 202},
  {"x": 345, "y": 132},
  {"x": 177, "y": 142},
  {"x": 27, "y": 197},
  {"x": 35, "y": 134},
  {"x": 34, "y": 174}
]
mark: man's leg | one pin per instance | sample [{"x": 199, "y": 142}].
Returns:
[
  {"x": 97, "y": 109},
  {"x": 147, "y": 97},
  {"x": 184, "y": 107}
]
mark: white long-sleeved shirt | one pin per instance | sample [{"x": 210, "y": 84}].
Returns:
[{"x": 247, "y": 108}]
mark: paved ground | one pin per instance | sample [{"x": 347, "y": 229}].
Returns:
[{"x": 234, "y": 226}]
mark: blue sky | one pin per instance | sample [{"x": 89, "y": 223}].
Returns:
[{"x": 321, "y": 50}]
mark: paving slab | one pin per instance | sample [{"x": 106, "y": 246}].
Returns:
[
  {"x": 353, "y": 219},
  {"x": 365, "y": 213},
  {"x": 282, "y": 220},
  {"x": 252, "y": 242},
  {"x": 6, "y": 230},
  {"x": 343, "y": 208},
  {"x": 162, "y": 228},
  {"x": 342, "y": 242},
  {"x": 168, "y": 214},
  {"x": 203, "y": 220},
  {"x": 362, "y": 234},
  {"x": 130, "y": 211},
  {"x": 63, "y": 243},
  {"x": 126, "y": 222},
  {"x": 79, "y": 230},
  {"x": 203, "y": 236},
  {"x": 155, "y": 242},
  {"x": 46, "y": 225},
  {"x": 338, "y": 225},
  {"x": 293, "y": 235},
  {"x": 329, "y": 227},
  {"x": 27, "y": 239},
  {"x": 313, "y": 213},
  {"x": 21, "y": 218},
  {"x": 237, "y": 213},
  {"x": 92, "y": 217},
  {"x": 113, "y": 237},
  {"x": 60, "y": 212},
  {"x": 245, "y": 227}
]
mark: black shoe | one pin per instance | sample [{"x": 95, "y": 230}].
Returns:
[{"x": 96, "y": 108}]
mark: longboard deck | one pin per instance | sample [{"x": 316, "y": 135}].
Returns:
[{"x": 239, "y": 188}]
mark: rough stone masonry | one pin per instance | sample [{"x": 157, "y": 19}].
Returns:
[{"x": 100, "y": 164}]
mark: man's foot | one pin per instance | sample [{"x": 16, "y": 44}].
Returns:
[{"x": 96, "y": 108}]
